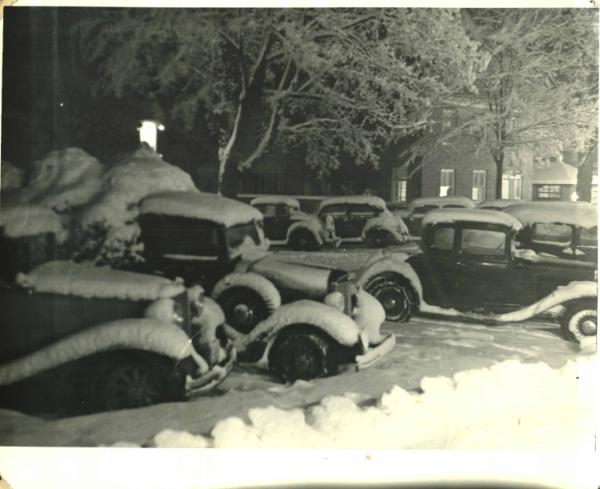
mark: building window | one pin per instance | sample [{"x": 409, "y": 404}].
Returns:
[
  {"x": 478, "y": 190},
  {"x": 511, "y": 186},
  {"x": 446, "y": 182},
  {"x": 400, "y": 192},
  {"x": 548, "y": 192}
]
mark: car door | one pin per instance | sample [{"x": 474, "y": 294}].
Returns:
[
  {"x": 340, "y": 218},
  {"x": 358, "y": 215}
]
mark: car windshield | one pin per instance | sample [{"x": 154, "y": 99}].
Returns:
[
  {"x": 483, "y": 242},
  {"x": 236, "y": 235},
  {"x": 552, "y": 233}
]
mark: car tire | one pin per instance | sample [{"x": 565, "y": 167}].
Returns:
[
  {"x": 244, "y": 308},
  {"x": 301, "y": 352},
  {"x": 128, "y": 380},
  {"x": 395, "y": 294},
  {"x": 580, "y": 321},
  {"x": 303, "y": 240}
]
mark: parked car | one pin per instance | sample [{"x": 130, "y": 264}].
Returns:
[
  {"x": 279, "y": 213},
  {"x": 351, "y": 218},
  {"x": 417, "y": 209},
  {"x": 562, "y": 229},
  {"x": 399, "y": 209},
  {"x": 498, "y": 204},
  {"x": 105, "y": 339},
  {"x": 470, "y": 266},
  {"x": 219, "y": 243}
]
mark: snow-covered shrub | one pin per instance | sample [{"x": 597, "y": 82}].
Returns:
[
  {"x": 64, "y": 179},
  {"x": 108, "y": 232}
]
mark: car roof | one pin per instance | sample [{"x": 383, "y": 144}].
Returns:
[
  {"x": 440, "y": 201},
  {"x": 452, "y": 215},
  {"x": 275, "y": 199},
  {"x": 354, "y": 199},
  {"x": 575, "y": 213},
  {"x": 498, "y": 203},
  {"x": 200, "y": 205}
]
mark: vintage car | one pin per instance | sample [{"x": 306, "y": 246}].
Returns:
[
  {"x": 417, "y": 208},
  {"x": 219, "y": 243},
  {"x": 470, "y": 266},
  {"x": 562, "y": 229},
  {"x": 351, "y": 218},
  {"x": 279, "y": 213},
  {"x": 94, "y": 339},
  {"x": 497, "y": 204}
]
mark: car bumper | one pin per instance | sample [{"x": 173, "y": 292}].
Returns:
[
  {"x": 373, "y": 354},
  {"x": 196, "y": 386}
]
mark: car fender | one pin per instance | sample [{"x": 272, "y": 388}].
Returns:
[
  {"x": 259, "y": 284},
  {"x": 312, "y": 225},
  {"x": 388, "y": 223},
  {"x": 142, "y": 334},
  {"x": 391, "y": 263},
  {"x": 335, "y": 323}
]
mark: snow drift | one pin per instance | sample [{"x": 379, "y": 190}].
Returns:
[{"x": 510, "y": 405}]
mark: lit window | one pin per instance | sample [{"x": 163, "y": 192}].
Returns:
[
  {"x": 548, "y": 192},
  {"x": 478, "y": 190},
  {"x": 401, "y": 189},
  {"x": 446, "y": 182}
]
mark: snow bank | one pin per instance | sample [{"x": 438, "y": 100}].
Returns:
[
  {"x": 11, "y": 177},
  {"x": 201, "y": 205},
  {"x": 575, "y": 213},
  {"x": 28, "y": 220},
  {"x": 64, "y": 179},
  {"x": 67, "y": 278},
  {"x": 354, "y": 199},
  {"x": 276, "y": 199},
  {"x": 472, "y": 215},
  {"x": 508, "y": 406}
]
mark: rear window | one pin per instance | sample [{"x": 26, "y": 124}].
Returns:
[
  {"x": 363, "y": 209},
  {"x": 483, "y": 242},
  {"x": 443, "y": 238},
  {"x": 552, "y": 233},
  {"x": 268, "y": 210},
  {"x": 589, "y": 237},
  {"x": 334, "y": 209},
  {"x": 454, "y": 206}
]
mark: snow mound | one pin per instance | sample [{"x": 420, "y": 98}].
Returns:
[
  {"x": 128, "y": 182},
  {"x": 27, "y": 220},
  {"x": 450, "y": 215},
  {"x": 64, "y": 179},
  {"x": 179, "y": 439},
  {"x": 11, "y": 177},
  {"x": 508, "y": 406},
  {"x": 201, "y": 205},
  {"x": 67, "y": 278}
]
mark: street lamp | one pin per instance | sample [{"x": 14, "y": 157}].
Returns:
[{"x": 148, "y": 130}]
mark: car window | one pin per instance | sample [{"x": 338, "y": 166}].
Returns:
[
  {"x": 552, "y": 233},
  {"x": 268, "y": 210},
  {"x": 589, "y": 237},
  {"x": 186, "y": 236},
  {"x": 363, "y": 210},
  {"x": 334, "y": 209},
  {"x": 424, "y": 208},
  {"x": 443, "y": 238},
  {"x": 483, "y": 242},
  {"x": 454, "y": 206}
]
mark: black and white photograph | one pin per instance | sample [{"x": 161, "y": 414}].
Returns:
[{"x": 320, "y": 227}]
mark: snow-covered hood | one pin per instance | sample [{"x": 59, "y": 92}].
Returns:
[{"x": 310, "y": 279}]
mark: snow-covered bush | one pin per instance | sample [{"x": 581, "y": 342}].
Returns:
[{"x": 108, "y": 232}]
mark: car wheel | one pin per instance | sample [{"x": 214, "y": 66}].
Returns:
[
  {"x": 580, "y": 321},
  {"x": 301, "y": 355},
  {"x": 303, "y": 240},
  {"x": 243, "y": 308},
  {"x": 395, "y": 294},
  {"x": 131, "y": 380}
]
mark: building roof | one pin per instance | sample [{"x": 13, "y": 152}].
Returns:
[
  {"x": 200, "y": 205},
  {"x": 276, "y": 199},
  {"x": 553, "y": 172},
  {"x": 575, "y": 213},
  {"x": 471, "y": 215}
]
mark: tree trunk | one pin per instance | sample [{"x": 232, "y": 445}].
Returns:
[{"x": 499, "y": 159}]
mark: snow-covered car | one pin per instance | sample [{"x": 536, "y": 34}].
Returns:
[
  {"x": 563, "y": 229},
  {"x": 417, "y": 209},
  {"x": 102, "y": 339},
  {"x": 218, "y": 243},
  {"x": 350, "y": 218},
  {"x": 279, "y": 213},
  {"x": 497, "y": 204},
  {"x": 470, "y": 266}
]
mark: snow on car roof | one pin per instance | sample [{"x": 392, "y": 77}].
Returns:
[
  {"x": 354, "y": 199},
  {"x": 200, "y": 205},
  {"x": 498, "y": 203},
  {"x": 471, "y": 215},
  {"x": 84, "y": 280},
  {"x": 575, "y": 213},
  {"x": 28, "y": 220},
  {"x": 440, "y": 201},
  {"x": 275, "y": 199}
]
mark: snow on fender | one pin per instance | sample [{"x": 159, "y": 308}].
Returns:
[
  {"x": 394, "y": 264},
  {"x": 259, "y": 284},
  {"x": 312, "y": 225}
]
